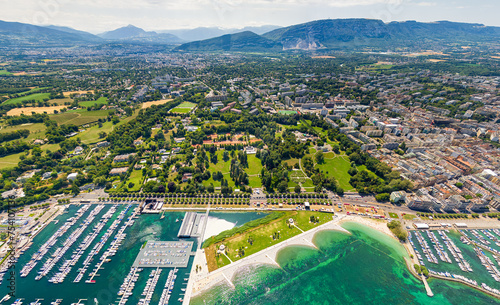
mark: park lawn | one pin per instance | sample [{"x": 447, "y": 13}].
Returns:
[
  {"x": 409, "y": 216},
  {"x": 38, "y": 97},
  {"x": 101, "y": 100},
  {"x": 291, "y": 162},
  {"x": 337, "y": 167},
  {"x": 254, "y": 165},
  {"x": 393, "y": 215},
  {"x": 10, "y": 161},
  {"x": 254, "y": 182},
  {"x": 51, "y": 147},
  {"x": 262, "y": 235},
  {"x": 136, "y": 178},
  {"x": 221, "y": 166}
]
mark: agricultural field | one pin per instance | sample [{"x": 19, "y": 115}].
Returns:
[
  {"x": 38, "y": 97},
  {"x": 101, "y": 100},
  {"x": 185, "y": 107},
  {"x": 160, "y": 102},
  {"x": 10, "y": 161},
  {"x": 5, "y": 72},
  {"x": 68, "y": 93},
  {"x": 79, "y": 117},
  {"x": 31, "y": 110},
  {"x": 36, "y": 130}
]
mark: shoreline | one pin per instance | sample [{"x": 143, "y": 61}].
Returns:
[{"x": 207, "y": 281}]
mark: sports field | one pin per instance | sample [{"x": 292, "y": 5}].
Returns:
[
  {"x": 185, "y": 107},
  {"x": 287, "y": 112}
]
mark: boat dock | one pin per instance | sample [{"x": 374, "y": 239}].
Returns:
[
  {"x": 192, "y": 225},
  {"x": 162, "y": 254}
]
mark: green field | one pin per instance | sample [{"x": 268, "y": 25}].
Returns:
[
  {"x": 5, "y": 72},
  {"x": 101, "y": 100},
  {"x": 287, "y": 112},
  {"x": 91, "y": 135},
  {"x": 185, "y": 107},
  {"x": 337, "y": 167},
  {"x": 136, "y": 178},
  {"x": 262, "y": 236},
  {"x": 409, "y": 216},
  {"x": 79, "y": 117},
  {"x": 10, "y": 161},
  {"x": 36, "y": 130},
  {"x": 393, "y": 215},
  {"x": 38, "y": 97}
]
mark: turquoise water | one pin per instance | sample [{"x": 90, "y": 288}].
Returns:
[
  {"x": 366, "y": 267},
  {"x": 146, "y": 227}
]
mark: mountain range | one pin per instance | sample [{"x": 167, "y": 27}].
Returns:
[
  {"x": 357, "y": 33},
  {"x": 344, "y": 34}
]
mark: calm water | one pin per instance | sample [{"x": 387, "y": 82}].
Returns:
[
  {"x": 365, "y": 267},
  {"x": 146, "y": 227}
]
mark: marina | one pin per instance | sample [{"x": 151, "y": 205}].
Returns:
[
  {"x": 98, "y": 244},
  {"x": 471, "y": 250}
]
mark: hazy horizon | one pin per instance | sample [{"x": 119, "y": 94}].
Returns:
[{"x": 156, "y": 15}]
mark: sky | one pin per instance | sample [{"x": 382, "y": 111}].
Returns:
[{"x": 97, "y": 16}]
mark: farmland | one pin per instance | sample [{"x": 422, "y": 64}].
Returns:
[
  {"x": 101, "y": 100},
  {"x": 31, "y": 110},
  {"x": 160, "y": 102},
  {"x": 37, "y": 97},
  {"x": 79, "y": 117}
]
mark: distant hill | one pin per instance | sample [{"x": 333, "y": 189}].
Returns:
[
  {"x": 353, "y": 33},
  {"x": 135, "y": 34},
  {"x": 244, "y": 41},
  {"x": 84, "y": 35},
  {"x": 22, "y": 34},
  {"x": 203, "y": 33}
]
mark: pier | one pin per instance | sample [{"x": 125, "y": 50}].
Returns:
[
  {"x": 427, "y": 288},
  {"x": 193, "y": 225}
]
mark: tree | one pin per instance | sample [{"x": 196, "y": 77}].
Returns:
[
  {"x": 131, "y": 185},
  {"x": 282, "y": 187},
  {"x": 320, "y": 158},
  {"x": 297, "y": 189},
  {"x": 75, "y": 190},
  {"x": 171, "y": 187}
]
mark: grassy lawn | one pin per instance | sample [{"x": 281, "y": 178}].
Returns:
[
  {"x": 337, "y": 167},
  {"x": 254, "y": 165},
  {"x": 254, "y": 182},
  {"x": 79, "y": 117},
  {"x": 38, "y": 97},
  {"x": 409, "y": 216},
  {"x": 91, "y": 135},
  {"x": 136, "y": 178},
  {"x": 393, "y": 215},
  {"x": 101, "y": 100},
  {"x": 262, "y": 236},
  {"x": 5, "y": 72}
]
